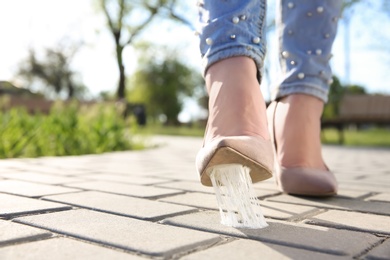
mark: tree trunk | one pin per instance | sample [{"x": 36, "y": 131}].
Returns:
[
  {"x": 70, "y": 90},
  {"x": 122, "y": 77},
  {"x": 122, "y": 82}
]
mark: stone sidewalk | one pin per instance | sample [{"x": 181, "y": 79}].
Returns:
[{"x": 149, "y": 205}]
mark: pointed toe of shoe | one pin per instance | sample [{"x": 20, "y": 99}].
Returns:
[
  {"x": 253, "y": 152},
  {"x": 307, "y": 182}
]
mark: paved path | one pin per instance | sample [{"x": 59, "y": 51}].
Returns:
[{"x": 150, "y": 205}]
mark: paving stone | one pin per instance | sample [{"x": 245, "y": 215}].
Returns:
[
  {"x": 269, "y": 209},
  {"x": 364, "y": 187},
  {"x": 52, "y": 170},
  {"x": 269, "y": 185},
  {"x": 31, "y": 189},
  {"x": 13, "y": 233},
  {"x": 377, "y": 179},
  {"x": 11, "y": 164},
  {"x": 124, "y": 179},
  {"x": 121, "y": 232},
  {"x": 381, "y": 252},
  {"x": 261, "y": 193},
  {"x": 254, "y": 250},
  {"x": 187, "y": 186},
  {"x": 199, "y": 200},
  {"x": 40, "y": 178},
  {"x": 309, "y": 237},
  {"x": 188, "y": 174},
  {"x": 14, "y": 205},
  {"x": 125, "y": 189},
  {"x": 62, "y": 249},
  {"x": 122, "y": 205},
  {"x": 351, "y": 194},
  {"x": 336, "y": 203},
  {"x": 384, "y": 197},
  {"x": 353, "y": 220}
]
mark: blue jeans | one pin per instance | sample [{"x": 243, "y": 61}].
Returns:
[{"x": 306, "y": 30}]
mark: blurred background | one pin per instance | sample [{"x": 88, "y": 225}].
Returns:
[{"x": 97, "y": 74}]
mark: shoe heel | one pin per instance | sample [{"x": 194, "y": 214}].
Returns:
[{"x": 236, "y": 198}]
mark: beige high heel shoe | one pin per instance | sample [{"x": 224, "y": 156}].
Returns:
[
  {"x": 301, "y": 181},
  {"x": 252, "y": 152},
  {"x": 231, "y": 164}
]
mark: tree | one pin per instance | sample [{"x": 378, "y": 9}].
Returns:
[
  {"x": 355, "y": 89},
  {"x": 336, "y": 93},
  {"x": 53, "y": 71},
  {"x": 162, "y": 82},
  {"x": 126, "y": 19}
]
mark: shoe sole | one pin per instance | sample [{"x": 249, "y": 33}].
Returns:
[{"x": 227, "y": 155}]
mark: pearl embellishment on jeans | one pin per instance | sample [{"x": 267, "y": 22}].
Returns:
[
  {"x": 290, "y": 5},
  {"x": 256, "y": 40},
  {"x": 293, "y": 63},
  {"x": 309, "y": 52},
  {"x": 243, "y": 17},
  {"x": 320, "y": 9},
  {"x": 285, "y": 54},
  {"x": 233, "y": 36},
  {"x": 235, "y": 20},
  {"x": 309, "y": 14},
  {"x": 209, "y": 41},
  {"x": 318, "y": 51},
  {"x": 301, "y": 75},
  {"x": 327, "y": 35}
]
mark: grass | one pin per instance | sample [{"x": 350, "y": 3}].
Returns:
[
  {"x": 69, "y": 129},
  {"x": 157, "y": 129},
  {"x": 376, "y": 137}
]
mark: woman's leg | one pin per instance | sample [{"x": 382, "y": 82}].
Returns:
[
  {"x": 236, "y": 105},
  {"x": 237, "y": 150},
  {"x": 307, "y": 29},
  {"x": 232, "y": 47}
]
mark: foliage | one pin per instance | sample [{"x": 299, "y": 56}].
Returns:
[
  {"x": 126, "y": 19},
  {"x": 355, "y": 89},
  {"x": 162, "y": 82},
  {"x": 68, "y": 130},
  {"x": 53, "y": 71},
  {"x": 336, "y": 93}
]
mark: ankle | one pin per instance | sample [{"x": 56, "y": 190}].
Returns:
[
  {"x": 297, "y": 131},
  {"x": 236, "y": 105}
]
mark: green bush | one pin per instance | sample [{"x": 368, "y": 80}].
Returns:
[{"x": 68, "y": 130}]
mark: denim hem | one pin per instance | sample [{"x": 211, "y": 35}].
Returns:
[
  {"x": 257, "y": 54},
  {"x": 300, "y": 88}
]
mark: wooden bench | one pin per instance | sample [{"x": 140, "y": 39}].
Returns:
[{"x": 358, "y": 110}]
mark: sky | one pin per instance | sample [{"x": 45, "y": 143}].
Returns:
[{"x": 40, "y": 24}]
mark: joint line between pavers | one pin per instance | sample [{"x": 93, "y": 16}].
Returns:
[
  {"x": 223, "y": 240},
  {"x": 305, "y": 216},
  {"x": 24, "y": 240},
  {"x": 344, "y": 227},
  {"x": 11, "y": 216},
  {"x": 368, "y": 249}
]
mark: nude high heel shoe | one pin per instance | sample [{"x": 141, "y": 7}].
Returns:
[
  {"x": 250, "y": 151},
  {"x": 231, "y": 164},
  {"x": 300, "y": 181}
]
